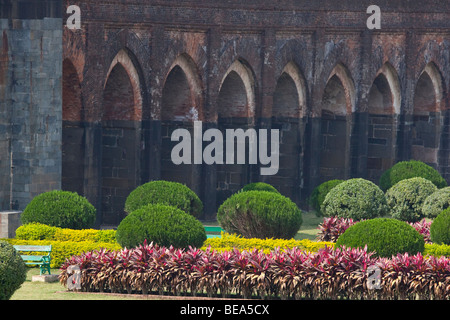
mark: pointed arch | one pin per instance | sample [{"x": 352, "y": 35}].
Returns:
[
  {"x": 120, "y": 168},
  {"x": 342, "y": 74},
  {"x": 428, "y": 94},
  {"x": 427, "y": 122},
  {"x": 237, "y": 92},
  {"x": 122, "y": 75},
  {"x": 290, "y": 93},
  {"x": 73, "y": 137},
  {"x": 338, "y": 105},
  {"x": 384, "y": 107},
  {"x": 236, "y": 110},
  {"x": 182, "y": 97},
  {"x": 393, "y": 82},
  {"x": 182, "y": 104},
  {"x": 289, "y": 116}
]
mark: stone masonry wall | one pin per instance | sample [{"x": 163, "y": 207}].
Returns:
[{"x": 30, "y": 100}]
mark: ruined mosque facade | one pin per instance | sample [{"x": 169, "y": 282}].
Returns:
[{"x": 92, "y": 109}]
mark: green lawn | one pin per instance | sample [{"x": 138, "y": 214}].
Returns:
[{"x": 55, "y": 291}]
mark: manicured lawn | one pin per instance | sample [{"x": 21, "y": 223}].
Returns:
[{"x": 55, "y": 291}]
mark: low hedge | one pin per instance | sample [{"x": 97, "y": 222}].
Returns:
[
  {"x": 39, "y": 231},
  {"x": 62, "y": 250},
  {"x": 229, "y": 242}
]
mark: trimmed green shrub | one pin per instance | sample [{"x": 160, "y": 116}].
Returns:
[
  {"x": 440, "y": 228},
  {"x": 259, "y": 186},
  {"x": 161, "y": 224},
  {"x": 355, "y": 199},
  {"x": 320, "y": 192},
  {"x": 38, "y": 231},
  {"x": 435, "y": 203},
  {"x": 410, "y": 169},
  {"x": 59, "y": 208},
  {"x": 165, "y": 192},
  {"x": 406, "y": 198},
  {"x": 13, "y": 270},
  {"x": 386, "y": 237},
  {"x": 260, "y": 214}
]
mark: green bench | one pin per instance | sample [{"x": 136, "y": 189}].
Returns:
[
  {"x": 42, "y": 260},
  {"x": 213, "y": 231}
]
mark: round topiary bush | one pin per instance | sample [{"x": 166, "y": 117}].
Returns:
[
  {"x": 62, "y": 209},
  {"x": 435, "y": 203},
  {"x": 259, "y": 186},
  {"x": 387, "y": 237},
  {"x": 355, "y": 199},
  {"x": 164, "y": 192},
  {"x": 13, "y": 270},
  {"x": 320, "y": 192},
  {"x": 406, "y": 198},
  {"x": 410, "y": 169},
  {"x": 260, "y": 214},
  {"x": 160, "y": 224},
  {"x": 440, "y": 228}
]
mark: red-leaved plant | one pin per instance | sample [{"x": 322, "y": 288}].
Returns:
[{"x": 292, "y": 273}]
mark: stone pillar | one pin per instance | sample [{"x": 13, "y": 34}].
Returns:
[{"x": 9, "y": 222}]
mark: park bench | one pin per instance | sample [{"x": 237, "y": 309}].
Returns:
[
  {"x": 213, "y": 231},
  {"x": 43, "y": 260}
]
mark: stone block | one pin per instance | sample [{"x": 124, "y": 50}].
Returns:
[
  {"x": 9, "y": 222},
  {"x": 44, "y": 278}
]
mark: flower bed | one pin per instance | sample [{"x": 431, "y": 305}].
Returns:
[{"x": 290, "y": 273}]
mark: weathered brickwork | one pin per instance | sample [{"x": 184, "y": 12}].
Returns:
[{"x": 349, "y": 101}]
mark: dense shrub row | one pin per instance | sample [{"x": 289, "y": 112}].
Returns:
[
  {"x": 228, "y": 242},
  {"x": 39, "y": 231},
  {"x": 293, "y": 273},
  {"x": 412, "y": 190}
]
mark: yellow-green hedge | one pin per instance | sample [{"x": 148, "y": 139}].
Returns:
[
  {"x": 230, "y": 241},
  {"x": 436, "y": 250},
  {"x": 65, "y": 249},
  {"x": 39, "y": 231}
]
